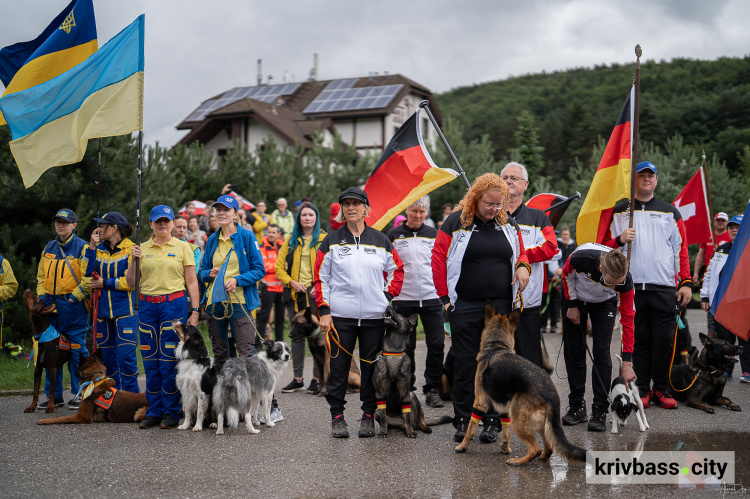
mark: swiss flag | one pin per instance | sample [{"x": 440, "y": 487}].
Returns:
[{"x": 693, "y": 205}]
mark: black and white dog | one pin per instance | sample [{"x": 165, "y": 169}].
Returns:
[
  {"x": 246, "y": 383},
  {"x": 624, "y": 402},
  {"x": 196, "y": 376}
]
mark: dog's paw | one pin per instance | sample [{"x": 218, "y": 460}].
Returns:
[
  {"x": 256, "y": 421},
  {"x": 213, "y": 426},
  {"x": 614, "y": 430},
  {"x": 734, "y": 407},
  {"x": 515, "y": 461},
  {"x": 253, "y": 431},
  {"x": 461, "y": 448},
  {"x": 410, "y": 434},
  {"x": 183, "y": 427},
  {"x": 220, "y": 431},
  {"x": 383, "y": 434},
  {"x": 31, "y": 408},
  {"x": 197, "y": 428},
  {"x": 270, "y": 424},
  {"x": 50, "y": 410},
  {"x": 709, "y": 410},
  {"x": 505, "y": 448}
]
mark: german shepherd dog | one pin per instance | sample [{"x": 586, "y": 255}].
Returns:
[
  {"x": 514, "y": 385},
  {"x": 307, "y": 324},
  {"x": 52, "y": 355},
  {"x": 708, "y": 373},
  {"x": 196, "y": 376},
  {"x": 103, "y": 403}
]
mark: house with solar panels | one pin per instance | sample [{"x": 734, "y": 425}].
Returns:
[{"x": 365, "y": 111}]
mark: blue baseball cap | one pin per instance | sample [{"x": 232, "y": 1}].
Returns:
[
  {"x": 646, "y": 165},
  {"x": 66, "y": 214},
  {"x": 736, "y": 220},
  {"x": 227, "y": 201},
  {"x": 113, "y": 218},
  {"x": 161, "y": 211}
]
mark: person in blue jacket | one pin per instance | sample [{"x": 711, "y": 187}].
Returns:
[{"x": 110, "y": 254}]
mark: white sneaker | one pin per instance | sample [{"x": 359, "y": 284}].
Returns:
[{"x": 275, "y": 416}]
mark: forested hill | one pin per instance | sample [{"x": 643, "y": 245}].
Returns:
[{"x": 706, "y": 102}]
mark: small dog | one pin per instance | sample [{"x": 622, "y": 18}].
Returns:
[
  {"x": 514, "y": 385},
  {"x": 52, "y": 355},
  {"x": 706, "y": 374},
  {"x": 196, "y": 376},
  {"x": 624, "y": 402},
  {"x": 103, "y": 402},
  {"x": 392, "y": 378}
]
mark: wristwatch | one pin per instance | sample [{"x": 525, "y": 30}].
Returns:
[{"x": 194, "y": 309}]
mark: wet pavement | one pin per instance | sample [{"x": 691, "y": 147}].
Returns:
[{"x": 299, "y": 458}]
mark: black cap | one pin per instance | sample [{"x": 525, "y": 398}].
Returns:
[
  {"x": 354, "y": 193},
  {"x": 66, "y": 214},
  {"x": 113, "y": 218}
]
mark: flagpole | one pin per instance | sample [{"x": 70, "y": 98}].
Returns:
[
  {"x": 99, "y": 184},
  {"x": 634, "y": 155},
  {"x": 708, "y": 195},
  {"x": 577, "y": 195},
  {"x": 138, "y": 220},
  {"x": 424, "y": 104}
]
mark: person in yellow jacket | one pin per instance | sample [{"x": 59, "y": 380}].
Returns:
[
  {"x": 61, "y": 282},
  {"x": 8, "y": 288},
  {"x": 294, "y": 268}
]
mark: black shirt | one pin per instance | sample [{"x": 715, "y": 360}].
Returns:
[{"x": 488, "y": 255}]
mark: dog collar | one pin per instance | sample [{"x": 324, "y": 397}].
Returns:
[
  {"x": 315, "y": 333},
  {"x": 392, "y": 354},
  {"x": 88, "y": 387}
]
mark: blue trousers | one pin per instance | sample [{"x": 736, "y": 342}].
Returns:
[
  {"x": 118, "y": 341},
  {"x": 158, "y": 343},
  {"x": 77, "y": 352}
]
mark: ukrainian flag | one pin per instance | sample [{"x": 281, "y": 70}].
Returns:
[
  {"x": 103, "y": 96},
  {"x": 67, "y": 41}
]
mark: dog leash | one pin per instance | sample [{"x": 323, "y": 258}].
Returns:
[
  {"x": 250, "y": 319},
  {"x": 671, "y": 362},
  {"x": 332, "y": 334}
]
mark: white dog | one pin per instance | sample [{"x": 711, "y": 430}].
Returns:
[{"x": 624, "y": 402}]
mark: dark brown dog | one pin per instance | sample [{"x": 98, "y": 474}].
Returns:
[
  {"x": 125, "y": 407},
  {"x": 514, "y": 385},
  {"x": 52, "y": 355}
]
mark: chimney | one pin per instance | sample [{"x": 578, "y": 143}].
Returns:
[
  {"x": 315, "y": 67},
  {"x": 260, "y": 72}
]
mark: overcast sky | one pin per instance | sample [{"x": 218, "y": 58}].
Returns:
[{"x": 196, "y": 49}]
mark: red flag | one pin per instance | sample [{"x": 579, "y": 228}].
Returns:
[
  {"x": 244, "y": 203},
  {"x": 693, "y": 205},
  {"x": 405, "y": 172},
  {"x": 554, "y": 205}
]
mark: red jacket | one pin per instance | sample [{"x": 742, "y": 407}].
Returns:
[{"x": 270, "y": 254}]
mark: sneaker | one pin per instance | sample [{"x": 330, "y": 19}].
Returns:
[
  {"x": 293, "y": 386},
  {"x": 432, "y": 399},
  {"x": 664, "y": 399},
  {"x": 314, "y": 387},
  {"x": 339, "y": 427},
  {"x": 745, "y": 378},
  {"x": 728, "y": 375},
  {"x": 366, "y": 426},
  {"x": 553, "y": 330},
  {"x": 461, "y": 424},
  {"x": 489, "y": 434},
  {"x": 149, "y": 422},
  {"x": 168, "y": 422},
  {"x": 74, "y": 405},
  {"x": 596, "y": 423},
  {"x": 645, "y": 399},
  {"x": 275, "y": 416},
  {"x": 576, "y": 414}
]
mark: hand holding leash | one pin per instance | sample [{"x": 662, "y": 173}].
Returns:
[
  {"x": 574, "y": 315},
  {"x": 522, "y": 276},
  {"x": 325, "y": 322}
]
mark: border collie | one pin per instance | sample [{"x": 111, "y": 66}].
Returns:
[{"x": 196, "y": 376}]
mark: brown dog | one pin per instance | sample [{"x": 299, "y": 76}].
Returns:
[
  {"x": 52, "y": 355},
  {"x": 123, "y": 407}
]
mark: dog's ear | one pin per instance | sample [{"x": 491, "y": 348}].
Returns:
[
  {"x": 308, "y": 314},
  {"x": 267, "y": 343},
  {"x": 489, "y": 311},
  {"x": 705, "y": 340},
  {"x": 413, "y": 320},
  {"x": 28, "y": 298},
  {"x": 179, "y": 328},
  {"x": 49, "y": 310},
  {"x": 514, "y": 317}
]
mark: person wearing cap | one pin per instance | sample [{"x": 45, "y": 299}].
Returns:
[
  {"x": 8, "y": 288},
  {"x": 706, "y": 250},
  {"x": 708, "y": 291},
  {"x": 357, "y": 273},
  {"x": 659, "y": 259},
  {"x": 61, "y": 282},
  {"x": 109, "y": 254},
  {"x": 167, "y": 268}
]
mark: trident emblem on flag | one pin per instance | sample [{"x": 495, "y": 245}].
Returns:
[{"x": 69, "y": 23}]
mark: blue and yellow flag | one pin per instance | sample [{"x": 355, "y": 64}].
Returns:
[
  {"x": 68, "y": 40},
  {"x": 217, "y": 292},
  {"x": 51, "y": 123}
]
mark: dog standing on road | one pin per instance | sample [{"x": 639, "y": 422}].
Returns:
[
  {"x": 196, "y": 376},
  {"x": 624, "y": 402}
]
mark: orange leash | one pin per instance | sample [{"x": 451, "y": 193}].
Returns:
[
  {"x": 671, "y": 363},
  {"x": 332, "y": 334}
]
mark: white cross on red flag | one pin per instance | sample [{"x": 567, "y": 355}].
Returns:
[{"x": 693, "y": 205}]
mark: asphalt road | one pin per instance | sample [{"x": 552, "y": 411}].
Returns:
[{"x": 299, "y": 458}]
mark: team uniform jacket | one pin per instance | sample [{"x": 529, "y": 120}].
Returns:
[
  {"x": 541, "y": 245},
  {"x": 414, "y": 247},
  {"x": 8, "y": 283},
  {"x": 659, "y": 249},
  {"x": 713, "y": 272},
  {"x": 270, "y": 253},
  {"x": 582, "y": 283},
  {"x": 356, "y": 281},
  {"x": 450, "y": 246},
  {"x": 117, "y": 299},
  {"x": 288, "y": 264}
]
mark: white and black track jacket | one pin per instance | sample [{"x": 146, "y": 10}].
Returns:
[
  {"x": 414, "y": 247},
  {"x": 355, "y": 279},
  {"x": 713, "y": 272}
]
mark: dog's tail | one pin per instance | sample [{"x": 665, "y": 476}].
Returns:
[
  {"x": 438, "y": 420},
  {"x": 140, "y": 414},
  {"x": 546, "y": 362},
  {"x": 553, "y": 432}
]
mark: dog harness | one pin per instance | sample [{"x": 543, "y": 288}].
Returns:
[
  {"x": 44, "y": 342},
  {"x": 105, "y": 399}
]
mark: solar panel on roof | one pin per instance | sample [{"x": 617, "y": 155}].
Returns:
[
  {"x": 339, "y": 96},
  {"x": 266, "y": 93}
]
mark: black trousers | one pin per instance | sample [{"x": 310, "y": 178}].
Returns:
[
  {"x": 370, "y": 342},
  {"x": 434, "y": 336},
  {"x": 467, "y": 322},
  {"x": 655, "y": 323},
  {"x": 271, "y": 300},
  {"x": 528, "y": 335},
  {"x": 602, "y": 316},
  {"x": 552, "y": 312}
]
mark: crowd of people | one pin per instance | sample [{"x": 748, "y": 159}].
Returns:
[{"x": 229, "y": 265}]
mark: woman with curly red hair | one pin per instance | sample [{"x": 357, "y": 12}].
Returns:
[{"x": 478, "y": 256}]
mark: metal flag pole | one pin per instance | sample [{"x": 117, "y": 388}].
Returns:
[
  {"x": 424, "y": 104},
  {"x": 634, "y": 155},
  {"x": 138, "y": 220},
  {"x": 99, "y": 184},
  {"x": 704, "y": 172}
]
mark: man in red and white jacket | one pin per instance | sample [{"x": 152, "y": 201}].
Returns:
[{"x": 658, "y": 262}]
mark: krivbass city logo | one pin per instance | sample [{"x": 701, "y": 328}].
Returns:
[{"x": 684, "y": 468}]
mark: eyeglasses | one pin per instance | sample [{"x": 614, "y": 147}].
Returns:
[
  {"x": 492, "y": 206},
  {"x": 611, "y": 284},
  {"x": 513, "y": 179}
]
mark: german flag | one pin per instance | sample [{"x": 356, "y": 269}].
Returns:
[
  {"x": 611, "y": 181},
  {"x": 554, "y": 205},
  {"x": 404, "y": 173}
]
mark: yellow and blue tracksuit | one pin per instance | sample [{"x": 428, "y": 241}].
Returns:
[
  {"x": 8, "y": 288},
  {"x": 56, "y": 285},
  {"x": 117, "y": 322}
]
